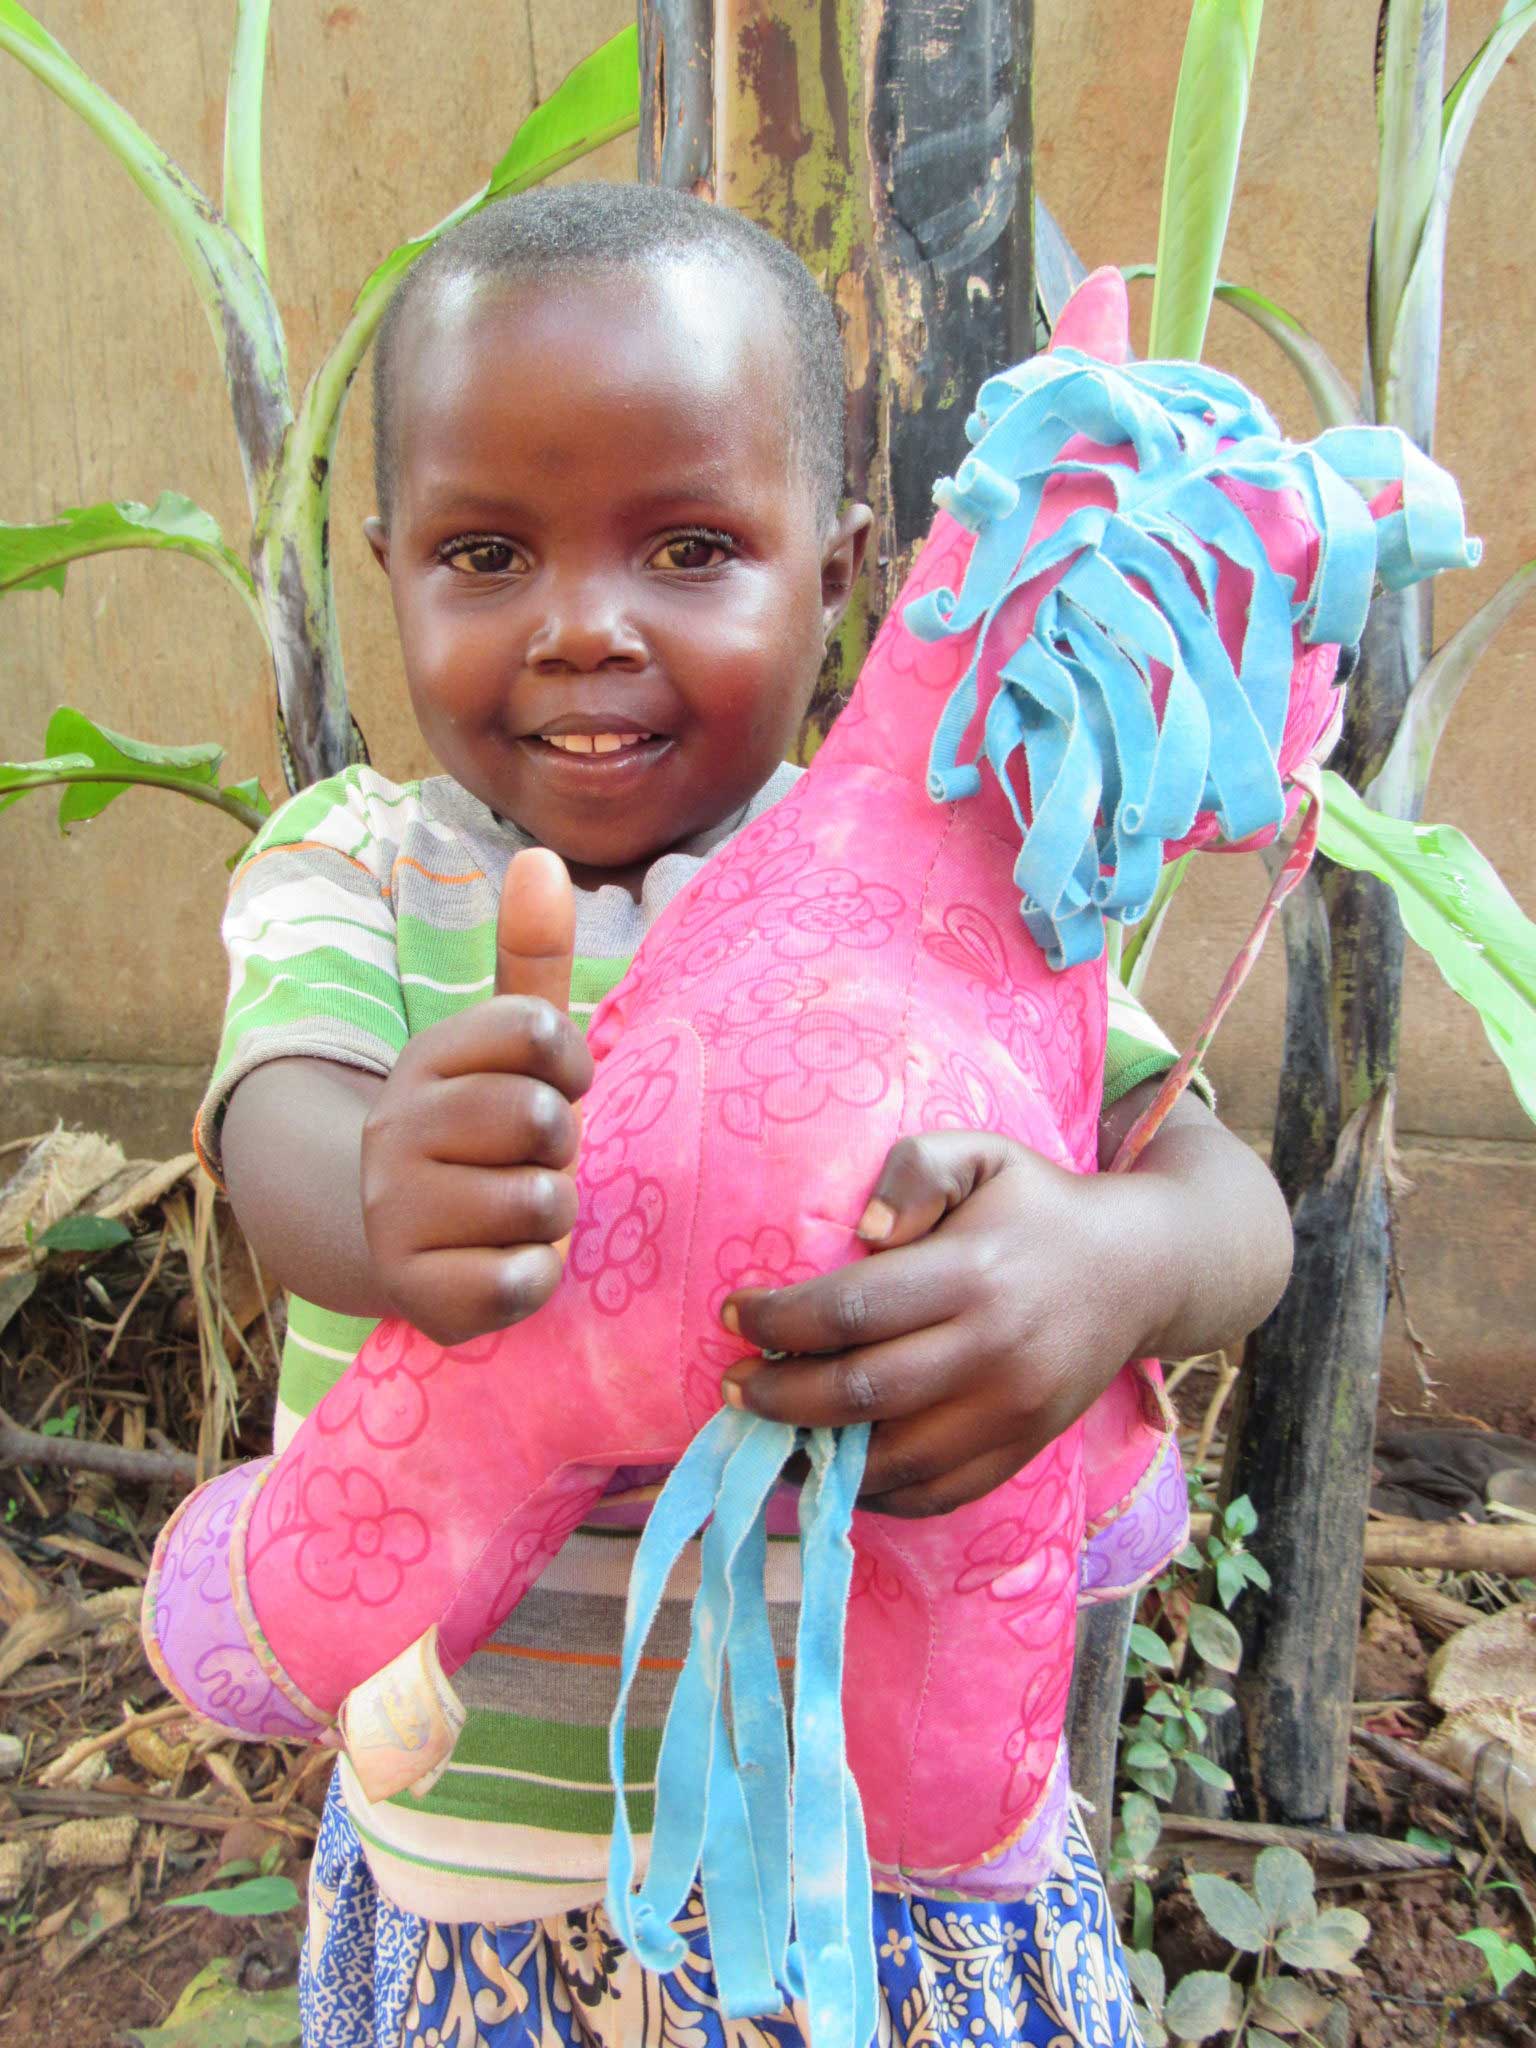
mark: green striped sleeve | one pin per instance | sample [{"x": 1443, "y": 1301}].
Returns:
[{"x": 1135, "y": 1050}]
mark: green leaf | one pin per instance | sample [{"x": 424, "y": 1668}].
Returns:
[
  {"x": 1255, "y": 1573},
  {"x": 213, "y": 2012},
  {"x": 251, "y": 792},
  {"x": 1285, "y": 1888},
  {"x": 1146, "y": 1756},
  {"x": 1141, "y": 1825},
  {"x": 1195, "y": 1723},
  {"x": 1209, "y": 110},
  {"x": 1230, "y": 1579},
  {"x": 84, "y": 1234},
  {"x": 1261, "y": 2037},
  {"x": 1326, "y": 1943},
  {"x": 1454, "y": 904},
  {"x": 1288, "y": 2005},
  {"x": 1399, "y": 789},
  {"x": 1202, "y": 2004},
  {"x": 1506, "y": 1959},
  {"x": 1233, "y": 1912},
  {"x": 62, "y": 1425},
  {"x": 1159, "y": 1783},
  {"x": 1240, "y": 1517},
  {"x": 256, "y": 1895},
  {"x": 1209, "y": 1772},
  {"x": 1145, "y": 1970},
  {"x": 1406, "y": 307},
  {"x": 1147, "y": 1644},
  {"x": 38, "y": 557},
  {"x": 1210, "y": 1699},
  {"x": 1215, "y": 1639},
  {"x": 1163, "y": 1706},
  {"x": 1142, "y": 1913},
  {"x": 96, "y": 765}
]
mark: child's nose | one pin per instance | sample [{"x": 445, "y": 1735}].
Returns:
[{"x": 585, "y": 626}]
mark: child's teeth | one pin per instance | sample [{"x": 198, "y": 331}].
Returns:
[{"x": 594, "y": 742}]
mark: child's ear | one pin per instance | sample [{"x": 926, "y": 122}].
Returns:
[
  {"x": 376, "y": 533},
  {"x": 841, "y": 561}
]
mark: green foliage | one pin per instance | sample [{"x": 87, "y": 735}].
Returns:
[
  {"x": 1279, "y": 1925},
  {"x": 1175, "y": 1716},
  {"x": 287, "y": 458},
  {"x": 1209, "y": 111},
  {"x": 83, "y": 1234},
  {"x": 38, "y": 557},
  {"x": 1454, "y": 904},
  {"x": 95, "y": 765},
  {"x": 213, "y": 2012},
  {"x": 257, "y": 1895},
  {"x": 1505, "y": 1960}
]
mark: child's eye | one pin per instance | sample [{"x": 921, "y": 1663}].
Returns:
[
  {"x": 474, "y": 556},
  {"x": 699, "y": 550}
]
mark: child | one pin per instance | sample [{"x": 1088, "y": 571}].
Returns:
[{"x": 609, "y": 479}]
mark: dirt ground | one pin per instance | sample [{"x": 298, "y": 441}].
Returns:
[{"x": 88, "y": 1949}]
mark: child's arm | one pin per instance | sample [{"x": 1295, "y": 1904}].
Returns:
[{"x": 1009, "y": 1292}]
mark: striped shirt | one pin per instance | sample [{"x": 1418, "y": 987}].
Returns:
[{"x": 363, "y": 913}]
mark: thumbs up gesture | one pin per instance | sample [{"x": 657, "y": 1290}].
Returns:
[{"x": 467, "y": 1151}]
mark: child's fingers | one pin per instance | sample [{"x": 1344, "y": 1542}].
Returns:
[
  {"x": 536, "y": 929},
  {"x": 459, "y": 1293},
  {"x": 924, "y": 1178},
  {"x": 878, "y": 1383},
  {"x": 869, "y": 1302}
]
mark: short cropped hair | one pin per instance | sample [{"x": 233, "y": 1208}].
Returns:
[{"x": 586, "y": 229}]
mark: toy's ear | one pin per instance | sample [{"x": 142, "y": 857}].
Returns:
[{"x": 1097, "y": 318}]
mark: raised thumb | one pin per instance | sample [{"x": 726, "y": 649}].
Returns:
[{"x": 536, "y": 929}]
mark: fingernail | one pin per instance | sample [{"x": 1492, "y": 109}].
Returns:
[
  {"x": 730, "y": 1393},
  {"x": 877, "y": 1222},
  {"x": 731, "y": 1319}
]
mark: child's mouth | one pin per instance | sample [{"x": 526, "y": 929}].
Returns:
[
  {"x": 606, "y": 757},
  {"x": 595, "y": 742}
]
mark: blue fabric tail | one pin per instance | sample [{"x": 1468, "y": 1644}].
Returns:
[{"x": 725, "y": 1803}]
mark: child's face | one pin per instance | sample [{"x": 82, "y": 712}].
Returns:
[{"x": 611, "y": 588}]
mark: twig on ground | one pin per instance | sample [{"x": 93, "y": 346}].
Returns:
[
  {"x": 175, "y": 1813},
  {"x": 1438, "y": 1546},
  {"x": 1366, "y": 1854},
  {"x": 20, "y": 1446},
  {"x": 138, "y": 1295},
  {"x": 89, "y": 1745}
]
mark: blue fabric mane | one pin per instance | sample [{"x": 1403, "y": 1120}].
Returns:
[{"x": 1108, "y": 784}]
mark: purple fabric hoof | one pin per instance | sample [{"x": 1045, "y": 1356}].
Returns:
[
  {"x": 1139, "y": 1541},
  {"x": 192, "y": 1631}
]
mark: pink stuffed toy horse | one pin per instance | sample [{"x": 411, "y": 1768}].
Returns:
[{"x": 1130, "y": 608}]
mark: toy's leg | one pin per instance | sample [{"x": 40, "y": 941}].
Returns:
[
  {"x": 955, "y": 1624},
  {"x": 195, "y": 1631}
]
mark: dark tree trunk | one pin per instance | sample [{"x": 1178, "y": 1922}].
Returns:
[
  {"x": 949, "y": 142},
  {"x": 677, "y": 100},
  {"x": 1301, "y": 1450}
]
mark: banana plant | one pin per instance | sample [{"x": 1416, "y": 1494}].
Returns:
[
  {"x": 286, "y": 450},
  {"x": 1301, "y": 1431}
]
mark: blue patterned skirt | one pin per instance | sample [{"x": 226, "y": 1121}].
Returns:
[{"x": 1046, "y": 1972}]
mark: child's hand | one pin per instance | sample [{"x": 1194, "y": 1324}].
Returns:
[
  {"x": 1007, "y": 1293},
  {"x": 465, "y": 1149}
]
